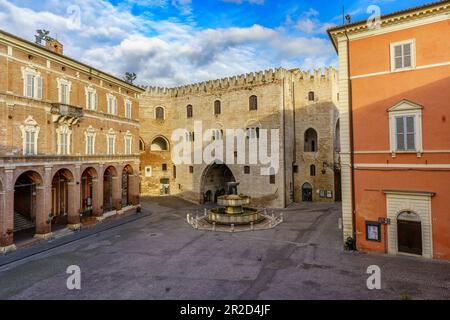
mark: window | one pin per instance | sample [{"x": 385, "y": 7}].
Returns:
[
  {"x": 112, "y": 104},
  {"x": 63, "y": 139},
  {"x": 247, "y": 170},
  {"x": 312, "y": 171},
  {"x": 217, "y": 107},
  {"x": 159, "y": 113},
  {"x": 311, "y": 96},
  {"x": 30, "y": 132},
  {"x": 148, "y": 171},
  {"x": 111, "y": 142},
  {"x": 403, "y": 55},
  {"x": 405, "y": 122},
  {"x": 141, "y": 145},
  {"x": 159, "y": 144},
  {"x": 91, "y": 98},
  {"x": 272, "y": 179},
  {"x": 90, "y": 140},
  {"x": 32, "y": 83},
  {"x": 164, "y": 167},
  {"x": 128, "y": 109},
  {"x": 310, "y": 140},
  {"x": 295, "y": 169},
  {"x": 191, "y": 169},
  {"x": 64, "y": 88},
  {"x": 189, "y": 111},
  {"x": 253, "y": 103},
  {"x": 174, "y": 172},
  {"x": 128, "y": 139}
]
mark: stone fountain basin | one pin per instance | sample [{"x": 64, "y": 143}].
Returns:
[
  {"x": 233, "y": 201},
  {"x": 219, "y": 216}
]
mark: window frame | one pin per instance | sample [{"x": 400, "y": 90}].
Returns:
[
  {"x": 111, "y": 103},
  {"x": 63, "y": 82},
  {"x": 111, "y": 135},
  {"x": 253, "y": 103},
  {"x": 405, "y": 108},
  {"x": 128, "y": 109},
  {"x": 413, "y": 55},
  {"x": 64, "y": 139},
  {"x": 37, "y": 83},
  {"x": 217, "y": 107},
  {"x": 88, "y": 91},
  {"x": 189, "y": 111},
  {"x": 128, "y": 143},
  {"x": 30, "y": 126}
]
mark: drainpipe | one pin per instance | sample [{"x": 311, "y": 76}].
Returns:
[{"x": 352, "y": 146}]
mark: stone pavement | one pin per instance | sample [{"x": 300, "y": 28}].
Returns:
[{"x": 161, "y": 257}]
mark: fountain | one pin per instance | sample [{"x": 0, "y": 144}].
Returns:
[
  {"x": 233, "y": 211},
  {"x": 233, "y": 215}
]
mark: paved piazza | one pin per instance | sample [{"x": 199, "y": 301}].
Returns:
[{"x": 161, "y": 257}]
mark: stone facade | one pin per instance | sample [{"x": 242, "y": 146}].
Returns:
[
  {"x": 291, "y": 101},
  {"x": 56, "y": 124}
]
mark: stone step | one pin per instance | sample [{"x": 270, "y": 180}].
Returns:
[{"x": 22, "y": 223}]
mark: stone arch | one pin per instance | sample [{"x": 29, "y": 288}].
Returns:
[
  {"x": 62, "y": 194},
  {"x": 109, "y": 186},
  {"x": 88, "y": 190},
  {"x": 160, "y": 144},
  {"x": 127, "y": 174},
  {"x": 28, "y": 201},
  {"x": 215, "y": 178},
  {"x": 311, "y": 141}
]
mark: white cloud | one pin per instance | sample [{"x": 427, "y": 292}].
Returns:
[
  {"x": 260, "y": 2},
  {"x": 163, "y": 53}
]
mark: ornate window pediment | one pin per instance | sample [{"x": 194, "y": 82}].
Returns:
[{"x": 30, "y": 134}]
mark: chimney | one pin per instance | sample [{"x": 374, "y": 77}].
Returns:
[{"x": 55, "y": 46}]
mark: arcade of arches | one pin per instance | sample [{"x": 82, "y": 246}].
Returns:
[
  {"x": 214, "y": 182},
  {"x": 35, "y": 201}
]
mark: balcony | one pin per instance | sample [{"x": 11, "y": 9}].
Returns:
[{"x": 63, "y": 113}]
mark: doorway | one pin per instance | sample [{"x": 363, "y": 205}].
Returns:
[
  {"x": 307, "y": 193},
  {"x": 409, "y": 231},
  {"x": 165, "y": 187}
]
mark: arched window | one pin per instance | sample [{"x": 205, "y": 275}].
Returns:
[
  {"x": 311, "y": 140},
  {"x": 217, "y": 107},
  {"x": 253, "y": 103},
  {"x": 141, "y": 145},
  {"x": 159, "y": 144},
  {"x": 311, "y": 96},
  {"x": 312, "y": 170},
  {"x": 159, "y": 113},
  {"x": 189, "y": 111}
]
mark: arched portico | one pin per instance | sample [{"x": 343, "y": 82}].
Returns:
[{"x": 214, "y": 181}]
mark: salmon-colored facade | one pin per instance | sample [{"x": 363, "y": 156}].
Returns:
[{"x": 398, "y": 105}]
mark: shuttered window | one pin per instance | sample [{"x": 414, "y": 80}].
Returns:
[
  {"x": 403, "y": 56},
  {"x": 33, "y": 86},
  {"x": 405, "y": 133}
]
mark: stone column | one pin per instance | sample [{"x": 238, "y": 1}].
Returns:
[
  {"x": 134, "y": 189},
  {"x": 7, "y": 213},
  {"x": 75, "y": 200},
  {"x": 97, "y": 200},
  {"x": 44, "y": 206},
  {"x": 117, "y": 192}
]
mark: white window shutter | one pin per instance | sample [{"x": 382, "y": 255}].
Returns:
[
  {"x": 29, "y": 86},
  {"x": 39, "y": 87},
  {"x": 96, "y": 102}
]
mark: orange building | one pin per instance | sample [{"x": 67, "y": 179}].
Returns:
[{"x": 394, "y": 81}]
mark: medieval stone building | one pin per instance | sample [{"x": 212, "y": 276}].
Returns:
[
  {"x": 69, "y": 139},
  {"x": 301, "y": 105}
]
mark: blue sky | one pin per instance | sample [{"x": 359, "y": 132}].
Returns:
[{"x": 176, "y": 42}]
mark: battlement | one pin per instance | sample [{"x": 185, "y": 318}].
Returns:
[{"x": 243, "y": 80}]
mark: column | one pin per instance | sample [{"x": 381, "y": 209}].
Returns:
[
  {"x": 7, "y": 213},
  {"x": 74, "y": 200},
  {"x": 117, "y": 192},
  {"x": 97, "y": 199},
  {"x": 134, "y": 189},
  {"x": 44, "y": 206}
]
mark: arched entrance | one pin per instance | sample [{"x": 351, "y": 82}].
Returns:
[
  {"x": 25, "y": 204},
  {"x": 307, "y": 192},
  {"x": 409, "y": 233},
  {"x": 87, "y": 191},
  {"x": 214, "y": 181},
  {"x": 61, "y": 197},
  {"x": 110, "y": 173},
  {"x": 126, "y": 173}
]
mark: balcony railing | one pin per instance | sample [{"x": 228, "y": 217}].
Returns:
[{"x": 63, "y": 112}]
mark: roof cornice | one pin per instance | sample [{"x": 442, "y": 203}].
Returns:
[{"x": 35, "y": 49}]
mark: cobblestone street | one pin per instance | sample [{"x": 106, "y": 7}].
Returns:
[{"x": 160, "y": 256}]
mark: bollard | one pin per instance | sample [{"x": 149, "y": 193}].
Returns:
[
  {"x": 232, "y": 228},
  {"x": 252, "y": 226},
  {"x": 214, "y": 226},
  {"x": 206, "y": 212}
]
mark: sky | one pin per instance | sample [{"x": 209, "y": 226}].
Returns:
[{"x": 177, "y": 42}]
